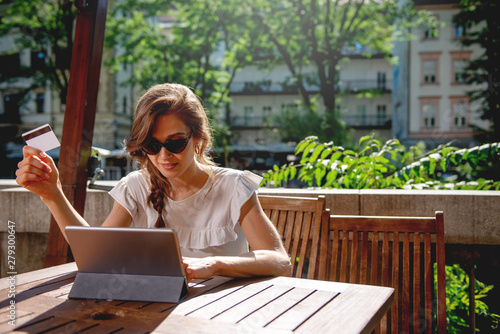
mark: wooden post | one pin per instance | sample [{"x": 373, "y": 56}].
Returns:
[{"x": 79, "y": 117}]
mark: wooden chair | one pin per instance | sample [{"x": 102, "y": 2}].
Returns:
[
  {"x": 298, "y": 220},
  {"x": 391, "y": 251}
]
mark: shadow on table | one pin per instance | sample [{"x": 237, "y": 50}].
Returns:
[{"x": 44, "y": 307}]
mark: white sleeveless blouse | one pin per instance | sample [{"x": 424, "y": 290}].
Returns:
[{"x": 206, "y": 222}]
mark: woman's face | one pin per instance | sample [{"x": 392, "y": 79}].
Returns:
[{"x": 173, "y": 165}]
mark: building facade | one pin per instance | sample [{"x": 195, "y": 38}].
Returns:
[
  {"x": 430, "y": 98},
  {"x": 258, "y": 97}
]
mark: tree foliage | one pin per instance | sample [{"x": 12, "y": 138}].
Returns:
[
  {"x": 44, "y": 26},
  {"x": 379, "y": 165},
  {"x": 479, "y": 19},
  {"x": 457, "y": 301},
  {"x": 206, "y": 43}
]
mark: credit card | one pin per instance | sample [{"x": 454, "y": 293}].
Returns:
[{"x": 42, "y": 138}]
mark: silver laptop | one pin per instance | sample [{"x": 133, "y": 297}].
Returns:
[{"x": 115, "y": 263}]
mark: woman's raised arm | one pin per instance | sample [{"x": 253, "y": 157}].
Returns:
[{"x": 38, "y": 173}]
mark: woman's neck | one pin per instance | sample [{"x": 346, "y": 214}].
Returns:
[{"x": 182, "y": 188}]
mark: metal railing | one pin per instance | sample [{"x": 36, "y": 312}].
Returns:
[
  {"x": 253, "y": 122},
  {"x": 269, "y": 87},
  {"x": 350, "y": 120},
  {"x": 366, "y": 121}
]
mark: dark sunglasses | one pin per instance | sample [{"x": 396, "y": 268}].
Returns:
[{"x": 172, "y": 145}]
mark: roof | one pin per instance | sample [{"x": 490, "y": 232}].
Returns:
[{"x": 434, "y": 2}]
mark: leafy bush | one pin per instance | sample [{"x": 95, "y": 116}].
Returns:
[
  {"x": 457, "y": 301},
  {"x": 388, "y": 165}
]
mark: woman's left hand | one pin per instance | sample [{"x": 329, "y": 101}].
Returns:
[{"x": 199, "y": 268}]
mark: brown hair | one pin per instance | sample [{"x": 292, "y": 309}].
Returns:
[{"x": 166, "y": 99}]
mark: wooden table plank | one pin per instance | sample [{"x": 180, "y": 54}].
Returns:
[
  {"x": 343, "y": 312},
  {"x": 301, "y": 312},
  {"x": 41, "y": 286},
  {"x": 229, "y": 301},
  {"x": 250, "y": 305},
  {"x": 41, "y": 275},
  {"x": 190, "y": 305},
  {"x": 184, "y": 324},
  {"x": 271, "y": 311}
]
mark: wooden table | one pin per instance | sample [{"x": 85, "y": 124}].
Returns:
[{"x": 220, "y": 304}]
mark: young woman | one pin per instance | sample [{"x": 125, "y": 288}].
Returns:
[{"x": 221, "y": 227}]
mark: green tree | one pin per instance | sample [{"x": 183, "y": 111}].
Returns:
[
  {"x": 480, "y": 21},
  {"x": 45, "y": 27},
  {"x": 204, "y": 47}
]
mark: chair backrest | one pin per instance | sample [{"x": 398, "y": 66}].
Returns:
[
  {"x": 399, "y": 252},
  {"x": 298, "y": 221}
]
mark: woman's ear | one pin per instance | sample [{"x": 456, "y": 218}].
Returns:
[{"x": 196, "y": 145}]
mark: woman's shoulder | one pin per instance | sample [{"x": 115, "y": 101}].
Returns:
[
  {"x": 224, "y": 174},
  {"x": 136, "y": 178}
]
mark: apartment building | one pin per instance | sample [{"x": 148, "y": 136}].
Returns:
[
  {"x": 430, "y": 99},
  {"x": 258, "y": 97}
]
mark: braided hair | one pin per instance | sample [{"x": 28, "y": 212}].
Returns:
[{"x": 167, "y": 99}]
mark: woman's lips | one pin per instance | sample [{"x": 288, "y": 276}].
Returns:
[{"x": 168, "y": 166}]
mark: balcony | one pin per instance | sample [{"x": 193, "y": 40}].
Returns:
[
  {"x": 265, "y": 87},
  {"x": 257, "y": 122},
  {"x": 268, "y": 87},
  {"x": 355, "y": 121},
  {"x": 356, "y": 86},
  {"x": 370, "y": 121}
]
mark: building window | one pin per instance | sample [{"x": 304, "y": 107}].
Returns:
[
  {"x": 248, "y": 115},
  {"x": 460, "y": 113},
  {"x": 429, "y": 113},
  {"x": 430, "y": 71},
  {"x": 10, "y": 65},
  {"x": 459, "y": 70},
  {"x": 250, "y": 86},
  {"x": 381, "y": 80},
  {"x": 430, "y": 32},
  {"x": 459, "y": 63},
  {"x": 460, "y": 31},
  {"x": 266, "y": 115},
  {"x": 361, "y": 116},
  {"x": 124, "y": 105},
  {"x": 38, "y": 60},
  {"x": 430, "y": 68},
  {"x": 289, "y": 108},
  {"x": 381, "y": 114},
  {"x": 11, "y": 108},
  {"x": 40, "y": 103}
]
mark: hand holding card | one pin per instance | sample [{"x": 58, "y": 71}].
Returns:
[{"x": 42, "y": 138}]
